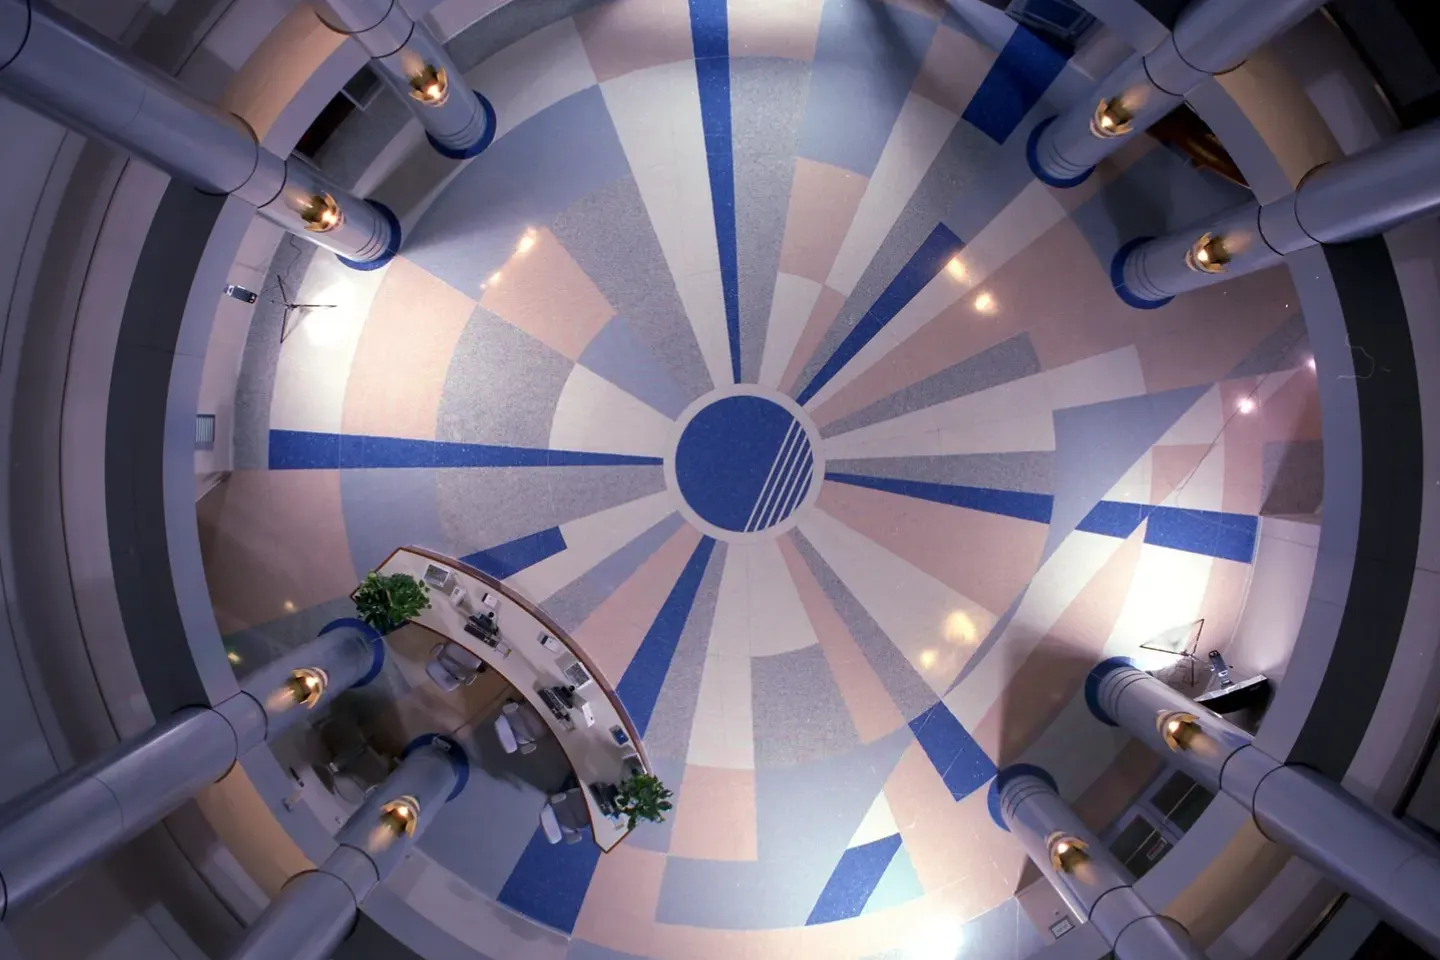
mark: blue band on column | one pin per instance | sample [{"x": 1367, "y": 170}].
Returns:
[
  {"x": 459, "y": 759},
  {"x": 391, "y": 248},
  {"x": 1092, "y": 685},
  {"x": 1032, "y": 157},
  {"x": 1003, "y": 778},
  {"x": 377, "y": 644},
  {"x": 1117, "y": 278},
  {"x": 478, "y": 147}
]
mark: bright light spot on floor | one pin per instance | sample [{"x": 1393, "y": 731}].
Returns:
[
  {"x": 939, "y": 938},
  {"x": 1310, "y": 363},
  {"x": 232, "y": 656},
  {"x": 985, "y": 303},
  {"x": 1247, "y": 405},
  {"x": 527, "y": 242},
  {"x": 959, "y": 628},
  {"x": 289, "y": 606},
  {"x": 956, "y": 269},
  {"x": 927, "y": 659}
]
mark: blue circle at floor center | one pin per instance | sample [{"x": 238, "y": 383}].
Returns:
[{"x": 744, "y": 463}]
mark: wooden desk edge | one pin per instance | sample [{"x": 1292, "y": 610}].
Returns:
[{"x": 550, "y": 626}]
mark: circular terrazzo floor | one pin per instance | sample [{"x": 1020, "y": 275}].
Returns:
[{"x": 775, "y": 378}]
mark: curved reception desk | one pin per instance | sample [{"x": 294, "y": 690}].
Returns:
[{"x": 522, "y": 645}]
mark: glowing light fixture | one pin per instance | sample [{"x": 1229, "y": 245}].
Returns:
[
  {"x": 321, "y": 213},
  {"x": 1178, "y": 729},
  {"x": 1209, "y": 254},
  {"x": 959, "y": 628},
  {"x": 233, "y": 657},
  {"x": 984, "y": 302},
  {"x": 401, "y": 814},
  {"x": 494, "y": 279},
  {"x": 527, "y": 241},
  {"x": 289, "y": 606},
  {"x": 1067, "y": 852},
  {"x": 927, "y": 659},
  {"x": 1113, "y": 118},
  {"x": 1310, "y": 363},
  {"x": 1247, "y": 405},
  {"x": 430, "y": 85},
  {"x": 956, "y": 269},
  {"x": 307, "y": 685}
]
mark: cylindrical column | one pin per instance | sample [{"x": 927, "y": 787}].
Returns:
[
  {"x": 316, "y": 909},
  {"x": 83, "y": 814},
  {"x": 1367, "y": 853},
  {"x": 1212, "y": 36},
  {"x": 1085, "y": 874},
  {"x": 61, "y": 68},
  {"x": 1368, "y": 193},
  {"x": 459, "y": 122}
]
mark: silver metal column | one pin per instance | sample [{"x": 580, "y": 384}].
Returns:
[
  {"x": 1359, "y": 196},
  {"x": 61, "y": 68},
  {"x": 1080, "y": 868},
  {"x": 459, "y": 122},
  {"x": 49, "y": 833},
  {"x": 316, "y": 909},
  {"x": 1367, "y": 853},
  {"x": 1212, "y": 36}
]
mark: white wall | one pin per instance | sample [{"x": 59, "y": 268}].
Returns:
[{"x": 1279, "y": 589}]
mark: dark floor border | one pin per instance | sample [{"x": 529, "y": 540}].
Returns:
[
  {"x": 1391, "y": 493},
  {"x": 135, "y": 447}
]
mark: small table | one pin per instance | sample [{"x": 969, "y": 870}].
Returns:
[{"x": 530, "y": 667}]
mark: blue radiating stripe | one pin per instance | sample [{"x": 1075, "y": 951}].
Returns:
[
  {"x": 549, "y": 881},
  {"x": 509, "y": 558},
  {"x": 1114, "y": 519},
  {"x": 954, "y": 754},
  {"x": 711, "y": 35},
  {"x": 1019, "y": 77},
  {"x": 852, "y": 881},
  {"x": 1229, "y": 536},
  {"x": 639, "y": 688},
  {"x": 304, "y": 450},
  {"x": 1009, "y": 503},
  {"x": 921, "y": 268}
]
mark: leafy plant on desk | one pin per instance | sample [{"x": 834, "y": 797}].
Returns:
[
  {"x": 386, "y": 602},
  {"x": 642, "y": 797}
]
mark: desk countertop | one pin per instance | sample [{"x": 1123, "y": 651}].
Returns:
[{"x": 593, "y": 753}]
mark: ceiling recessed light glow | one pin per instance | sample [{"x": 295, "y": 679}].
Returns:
[
  {"x": 956, "y": 269},
  {"x": 959, "y": 628},
  {"x": 1247, "y": 405},
  {"x": 494, "y": 279},
  {"x": 527, "y": 241},
  {"x": 927, "y": 659},
  {"x": 984, "y": 302},
  {"x": 1310, "y": 363}
]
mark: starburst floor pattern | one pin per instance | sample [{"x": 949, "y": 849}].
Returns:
[{"x": 751, "y": 351}]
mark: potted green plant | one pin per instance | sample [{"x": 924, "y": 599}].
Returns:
[
  {"x": 387, "y": 601},
  {"x": 642, "y": 797}
]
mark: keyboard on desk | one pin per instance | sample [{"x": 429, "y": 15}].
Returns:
[{"x": 556, "y": 705}]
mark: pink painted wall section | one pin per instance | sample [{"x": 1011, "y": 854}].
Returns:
[
  {"x": 623, "y": 37},
  {"x": 765, "y": 28},
  {"x": 1290, "y": 413},
  {"x": 953, "y": 70},
  {"x": 1171, "y": 465},
  {"x": 1117, "y": 786},
  {"x": 613, "y": 631},
  {"x": 823, "y": 200},
  {"x": 544, "y": 292},
  {"x": 620, "y": 905},
  {"x": 1055, "y": 670},
  {"x": 1200, "y": 337},
  {"x": 931, "y": 536},
  {"x": 955, "y": 846},
  {"x": 826, "y": 309},
  {"x": 871, "y": 709},
  {"x": 717, "y": 819},
  {"x": 403, "y": 355},
  {"x": 251, "y": 581}
]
